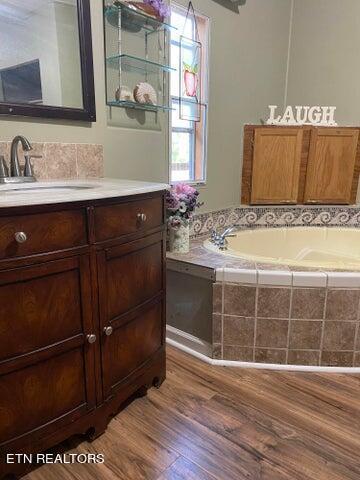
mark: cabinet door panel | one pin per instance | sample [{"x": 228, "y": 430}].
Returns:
[
  {"x": 40, "y": 306},
  {"x": 46, "y": 363},
  {"x": 131, "y": 285},
  {"x": 331, "y": 165},
  {"x": 130, "y": 346},
  {"x": 44, "y": 392},
  {"x": 132, "y": 275},
  {"x": 276, "y": 165}
]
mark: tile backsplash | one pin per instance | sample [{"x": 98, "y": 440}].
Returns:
[
  {"x": 63, "y": 160},
  {"x": 273, "y": 216}
]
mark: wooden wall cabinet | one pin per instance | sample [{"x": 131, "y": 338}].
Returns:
[
  {"x": 82, "y": 317},
  {"x": 331, "y": 165},
  {"x": 276, "y": 165},
  {"x": 294, "y": 165}
]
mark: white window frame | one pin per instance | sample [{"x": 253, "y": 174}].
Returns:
[{"x": 205, "y": 108}]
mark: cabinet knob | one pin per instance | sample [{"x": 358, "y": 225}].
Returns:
[
  {"x": 20, "y": 237},
  {"x": 108, "y": 331},
  {"x": 142, "y": 217},
  {"x": 91, "y": 338}
]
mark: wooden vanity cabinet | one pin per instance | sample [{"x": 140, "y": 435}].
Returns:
[
  {"x": 82, "y": 327},
  {"x": 294, "y": 165}
]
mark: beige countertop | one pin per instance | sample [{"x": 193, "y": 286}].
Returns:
[{"x": 61, "y": 191}]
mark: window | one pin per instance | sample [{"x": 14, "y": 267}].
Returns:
[{"x": 187, "y": 138}]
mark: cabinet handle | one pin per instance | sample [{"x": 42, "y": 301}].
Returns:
[
  {"x": 108, "y": 331},
  {"x": 91, "y": 338},
  {"x": 312, "y": 201},
  {"x": 142, "y": 217},
  {"x": 20, "y": 237}
]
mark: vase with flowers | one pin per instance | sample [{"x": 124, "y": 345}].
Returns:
[{"x": 181, "y": 202}]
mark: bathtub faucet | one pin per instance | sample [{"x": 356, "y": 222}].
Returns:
[{"x": 220, "y": 240}]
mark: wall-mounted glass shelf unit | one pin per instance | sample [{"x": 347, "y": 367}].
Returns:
[
  {"x": 136, "y": 46},
  {"x": 132, "y": 17},
  {"x": 140, "y": 106},
  {"x": 128, "y": 62}
]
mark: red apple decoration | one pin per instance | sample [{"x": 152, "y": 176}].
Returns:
[{"x": 190, "y": 79}]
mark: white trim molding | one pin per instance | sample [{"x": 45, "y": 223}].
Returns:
[
  {"x": 259, "y": 366},
  {"x": 194, "y": 344}
]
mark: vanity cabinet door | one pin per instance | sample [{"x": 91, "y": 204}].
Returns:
[
  {"x": 131, "y": 288},
  {"x": 276, "y": 165},
  {"x": 331, "y": 166},
  {"x": 46, "y": 361}
]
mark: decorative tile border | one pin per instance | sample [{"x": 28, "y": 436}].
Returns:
[
  {"x": 64, "y": 160},
  {"x": 263, "y": 217}
]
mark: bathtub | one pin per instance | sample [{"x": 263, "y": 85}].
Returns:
[{"x": 314, "y": 247}]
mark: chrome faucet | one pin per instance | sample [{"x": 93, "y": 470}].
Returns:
[
  {"x": 16, "y": 175},
  {"x": 220, "y": 239},
  {"x": 14, "y": 158},
  {"x": 228, "y": 232}
]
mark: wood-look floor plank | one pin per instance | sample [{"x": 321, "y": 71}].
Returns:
[
  {"x": 217, "y": 423},
  {"x": 266, "y": 442},
  {"x": 261, "y": 389},
  {"x": 183, "y": 469}
]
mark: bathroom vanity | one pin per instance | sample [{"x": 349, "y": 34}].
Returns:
[{"x": 82, "y": 293}]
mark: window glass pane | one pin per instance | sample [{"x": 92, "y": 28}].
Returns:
[
  {"x": 176, "y": 121},
  {"x": 174, "y": 81},
  {"x": 188, "y": 138},
  {"x": 178, "y": 21},
  {"x": 181, "y": 168}
]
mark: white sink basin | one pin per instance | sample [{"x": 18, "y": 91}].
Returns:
[{"x": 34, "y": 188}]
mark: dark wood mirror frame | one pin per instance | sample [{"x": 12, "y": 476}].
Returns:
[{"x": 88, "y": 112}]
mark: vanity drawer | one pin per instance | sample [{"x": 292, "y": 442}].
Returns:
[
  {"x": 44, "y": 232},
  {"x": 112, "y": 221}
]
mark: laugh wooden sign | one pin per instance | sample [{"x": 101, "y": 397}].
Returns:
[{"x": 323, "y": 116}]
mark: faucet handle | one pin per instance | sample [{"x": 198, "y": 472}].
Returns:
[
  {"x": 28, "y": 170},
  {"x": 4, "y": 171},
  {"x": 222, "y": 244},
  {"x": 214, "y": 235}
]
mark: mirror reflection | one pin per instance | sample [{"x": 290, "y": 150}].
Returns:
[{"x": 40, "y": 53}]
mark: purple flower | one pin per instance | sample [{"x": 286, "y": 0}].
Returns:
[
  {"x": 172, "y": 201},
  {"x": 184, "y": 189},
  {"x": 181, "y": 202}
]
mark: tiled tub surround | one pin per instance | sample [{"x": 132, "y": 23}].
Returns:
[
  {"x": 273, "y": 216},
  {"x": 278, "y": 317},
  {"x": 274, "y": 314},
  {"x": 64, "y": 160}
]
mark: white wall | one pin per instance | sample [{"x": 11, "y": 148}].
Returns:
[{"x": 324, "y": 66}]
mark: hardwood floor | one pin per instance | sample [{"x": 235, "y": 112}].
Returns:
[{"x": 208, "y": 423}]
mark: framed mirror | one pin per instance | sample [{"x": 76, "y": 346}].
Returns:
[{"x": 46, "y": 63}]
